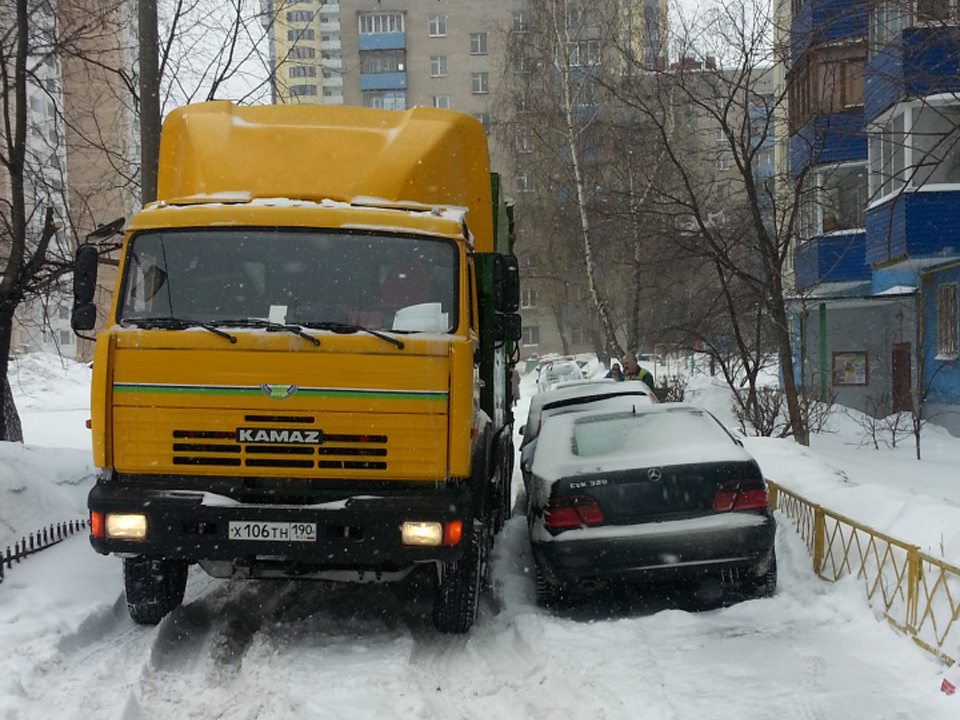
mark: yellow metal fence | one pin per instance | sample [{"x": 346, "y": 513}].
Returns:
[{"x": 919, "y": 594}]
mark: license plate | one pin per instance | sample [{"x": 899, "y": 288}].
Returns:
[{"x": 273, "y": 531}]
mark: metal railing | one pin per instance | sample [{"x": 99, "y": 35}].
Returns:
[
  {"x": 918, "y": 594},
  {"x": 40, "y": 540}
]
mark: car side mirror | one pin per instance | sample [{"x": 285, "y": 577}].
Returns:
[{"x": 507, "y": 327}]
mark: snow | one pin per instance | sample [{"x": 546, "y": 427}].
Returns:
[{"x": 286, "y": 649}]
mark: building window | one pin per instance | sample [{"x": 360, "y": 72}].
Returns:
[
  {"x": 484, "y": 119},
  {"x": 66, "y": 337},
  {"x": 585, "y": 53},
  {"x": 524, "y": 183},
  {"x": 825, "y": 85},
  {"x": 478, "y": 43},
  {"x": 303, "y": 90},
  {"x": 299, "y": 16},
  {"x": 524, "y": 144},
  {"x": 301, "y": 34},
  {"x": 437, "y": 25},
  {"x": 376, "y": 23},
  {"x": 438, "y": 66},
  {"x": 375, "y": 62},
  {"x": 519, "y": 21},
  {"x": 441, "y": 101},
  {"x": 947, "y": 321},
  {"x": 520, "y": 64},
  {"x": 723, "y": 161},
  {"x": 303, "y": 71},
  {"x": 302, "y": 53},
  {"x": 480, "y": 83},
  {"x": 528, "y": 297},
  {"x": 385, "y": 99},
  {"x": 936, "y": 154},
  {"x": 530, "y": 335}
]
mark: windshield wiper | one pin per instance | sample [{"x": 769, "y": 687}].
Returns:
[
  {"x": 174, "y": 323},
  {"x": 346, "y": 328},
  {"x": 268, "y": 326}
]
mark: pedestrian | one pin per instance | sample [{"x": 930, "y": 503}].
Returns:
[
  {"x": 616, "y": 372},
  {"x": 633, "y": 371}
]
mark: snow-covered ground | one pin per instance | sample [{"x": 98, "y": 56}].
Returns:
[{"x": 310, "y": 650}]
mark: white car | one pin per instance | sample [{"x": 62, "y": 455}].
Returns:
[{"x": 558, "y": 372}]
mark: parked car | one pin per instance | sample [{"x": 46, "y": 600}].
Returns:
[
  {"x": 662, "y": 491},
  {"x": 574, "y": 397},
  {"x": 557, "y": 372}
]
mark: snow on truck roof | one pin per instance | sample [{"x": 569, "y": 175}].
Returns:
[{"x": 413, "y": 160}]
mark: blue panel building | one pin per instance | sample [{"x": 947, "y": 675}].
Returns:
[{"x": 875, "y": 140}]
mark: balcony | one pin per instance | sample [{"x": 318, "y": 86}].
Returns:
[
  {"x": 921, "y": 61},
  {"x": 833, "y": 258},
  {"x": 383, "y": 81},
  {"x": 382, "y": 41},
  {"x": 819, "y": 22},
  {"x": 826, "y": 139},
  {"x": 917, "y": 228}
]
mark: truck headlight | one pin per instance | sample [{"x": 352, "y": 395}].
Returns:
[{"x": 128, "y": 527}]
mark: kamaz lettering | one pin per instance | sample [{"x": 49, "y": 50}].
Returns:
[{"x": 280, "y": 437}]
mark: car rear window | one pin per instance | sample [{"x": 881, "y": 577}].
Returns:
[{"x": 629, "y": 433}]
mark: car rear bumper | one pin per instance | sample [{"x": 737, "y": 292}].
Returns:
[
  {"x": 192, "y": 522},
  {"x": 670, "y": 550}
]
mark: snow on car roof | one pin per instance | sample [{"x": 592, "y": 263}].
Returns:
[
  {"x": 585, "y": 388},
  {"x": 650, "y": 435}
]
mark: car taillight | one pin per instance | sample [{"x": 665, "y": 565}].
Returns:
[
  {"x": 571, "y": 512},
  {"x": 741, "y": 495}
]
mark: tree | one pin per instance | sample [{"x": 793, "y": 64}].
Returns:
[
  {"x": 713, "y": 117},
  {"x": 571, "y": 164},
  {"x": 68, "y": 105}
]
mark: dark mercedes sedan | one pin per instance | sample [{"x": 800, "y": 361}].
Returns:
[{"x": 660, "y": 492}]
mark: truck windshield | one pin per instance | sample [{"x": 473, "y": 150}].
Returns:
[{"x": 341, "y": 280}]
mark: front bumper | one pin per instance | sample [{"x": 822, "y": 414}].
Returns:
[
  {"x": 188, "y": 519},
  {"x": 586, "y": 556}
]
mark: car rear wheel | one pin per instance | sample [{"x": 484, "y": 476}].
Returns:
[
  {"x": 764, "y": 584},
  {"x": 548, "y": 594},
  {"x": 153, "y": 587},
  {"x": 457, "y": 595}
]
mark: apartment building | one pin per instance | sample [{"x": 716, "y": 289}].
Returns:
[{"x": 873, "y": 133}]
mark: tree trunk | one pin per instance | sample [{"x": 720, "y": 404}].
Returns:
[{"x": 9, "y": 418}]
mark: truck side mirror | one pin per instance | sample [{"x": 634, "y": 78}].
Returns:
[
  {"x": 507, "y": 326},
  {"x": 85, "y": 263},
  {"x": 506, "y": 283},
  {"x": 84, "y": 317}
]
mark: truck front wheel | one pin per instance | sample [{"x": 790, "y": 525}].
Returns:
[
  {"x": 458, "y": 589},
  {"x": 153, "y": 586}
]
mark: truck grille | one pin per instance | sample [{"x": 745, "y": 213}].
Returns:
[{"x": 334, "y": 451}]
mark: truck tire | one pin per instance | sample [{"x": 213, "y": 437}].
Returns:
[
  {"x": 153, "y": 586},
  {"x": 458, "y": 589}
]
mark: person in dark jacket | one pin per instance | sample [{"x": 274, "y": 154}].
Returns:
[
  {"x": 616, "y": 372},
  {"x": 633, "y": 371}
]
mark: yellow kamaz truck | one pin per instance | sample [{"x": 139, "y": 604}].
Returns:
[{"x": 305, "y": 371}]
